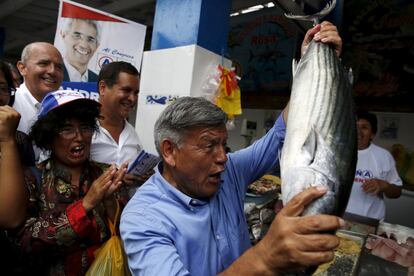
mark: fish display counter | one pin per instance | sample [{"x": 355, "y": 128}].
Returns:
[
  {"x": 389, "y": 250},
  {"x": 259, "y": 210},
  {"x": 346, "y": 258},
  {"x": 367, "y": 246}
]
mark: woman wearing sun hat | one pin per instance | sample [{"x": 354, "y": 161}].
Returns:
[{"x": 71, "y": 197}]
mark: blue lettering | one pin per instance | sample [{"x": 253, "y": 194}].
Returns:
[{"x": 106, "y": 61}]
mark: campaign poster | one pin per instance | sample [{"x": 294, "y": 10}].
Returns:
[{"x": 89, "y": 38}]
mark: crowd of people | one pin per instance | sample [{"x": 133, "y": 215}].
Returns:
[{"x": 66, "y": 174}]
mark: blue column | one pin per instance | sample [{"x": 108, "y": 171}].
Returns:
[
  {"x": 188, "y": 40},
  {"x": 186, "y": 22}
]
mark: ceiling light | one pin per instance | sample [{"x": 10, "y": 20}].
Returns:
[{"x": 252, "y": 9}]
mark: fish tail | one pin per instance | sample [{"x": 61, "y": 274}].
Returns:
[{"x": 315, "y": 18}]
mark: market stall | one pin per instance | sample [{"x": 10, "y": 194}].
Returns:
[{"x": 367, "y": 246}]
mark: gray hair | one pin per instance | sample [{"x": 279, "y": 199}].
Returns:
[
  {"x": 69, "y": 21},
  {"x": 183, "y": 115},
  {"x": 27, "y": 50},
  {"x": 26, "y": 53}
]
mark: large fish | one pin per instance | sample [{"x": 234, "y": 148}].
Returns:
[{"x": 320, "y": 145}]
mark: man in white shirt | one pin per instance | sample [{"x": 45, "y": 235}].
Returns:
[
  {"x": 81, "y": 38},
  {"x": 376, "y": 174},
  {"x": 41, "y": 66},
  {"x": 117, "y": 141}
]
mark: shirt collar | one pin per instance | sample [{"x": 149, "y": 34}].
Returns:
[
  {"x": 28, "y": 95},
  {"x": 74, "y": 74},
  {"x": 176, "y": 194}
]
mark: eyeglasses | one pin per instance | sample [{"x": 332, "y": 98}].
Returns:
[
  {"x": 6, "y": 91},
  {"x": 70, "y": 133},
  {"x": 87, "y": 38}
]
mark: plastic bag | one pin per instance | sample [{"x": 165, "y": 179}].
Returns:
[
  {"x": 110, "y": 258},
  {"x": 228, "y": 98}
]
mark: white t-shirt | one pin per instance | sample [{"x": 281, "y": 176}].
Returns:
[
  {"x": 105, "y": 149},
  {"x": 27, "y": 106},
  {"x": 373, "y": 162}
]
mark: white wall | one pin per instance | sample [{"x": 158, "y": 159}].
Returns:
[
  {"x": 405, "y": 132},
  {"x": 235, "y": 140}
]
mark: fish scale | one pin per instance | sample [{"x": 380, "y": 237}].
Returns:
[{"x": 320, "y": 145}]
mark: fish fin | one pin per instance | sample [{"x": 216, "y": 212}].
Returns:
[
  {"x": 316, "y": 154},
  {"x": 315, "y": 18},
  {"x": 307, "y": 153},
  {"x": 324, "y": 160}
]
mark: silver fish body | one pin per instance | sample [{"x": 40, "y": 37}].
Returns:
[{"x": 321, "y": 142}]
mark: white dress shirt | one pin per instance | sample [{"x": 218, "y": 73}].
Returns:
[
  {"x": 105, "y": 149},
  {"x": 27, "y": 106}
]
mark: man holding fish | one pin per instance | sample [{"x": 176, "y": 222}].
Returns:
[{"x": 188, "y": 218}]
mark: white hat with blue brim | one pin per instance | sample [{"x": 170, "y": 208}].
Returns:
[{"x": 59, "y": 98}]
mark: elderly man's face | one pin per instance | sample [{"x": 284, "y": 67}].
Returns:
[
  {"x": 199, "y": 161},
  {"x": 43, "y": 70},
  {"x": 81, "y": 43}
]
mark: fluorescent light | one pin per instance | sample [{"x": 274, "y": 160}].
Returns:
[
  {"x": 252, "y": 9},
  {"x": 257, "y": 7}
]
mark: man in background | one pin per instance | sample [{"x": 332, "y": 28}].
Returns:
[
  {"x": 41, "y": 66},
  {"x": 376, "y": 174},
  {"x": 81, "y": 38},
  {"x": 116, "y": 141}
]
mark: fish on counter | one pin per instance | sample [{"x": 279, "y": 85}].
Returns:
[{"x": 321, "y": 139}]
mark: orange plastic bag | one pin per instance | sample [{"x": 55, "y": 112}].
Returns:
[{"x": 110, "y": 258}]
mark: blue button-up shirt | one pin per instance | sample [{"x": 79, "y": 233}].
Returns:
[{"x": 166, "y": 232}]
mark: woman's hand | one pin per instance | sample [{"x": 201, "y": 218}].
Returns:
[
  {"x": 117, "y": 180},
  {"x": 9, "y": 120},
  {"x": 104, "y": 186}
]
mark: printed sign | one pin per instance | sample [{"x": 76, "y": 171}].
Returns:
[{"x": 89, "y": 38}]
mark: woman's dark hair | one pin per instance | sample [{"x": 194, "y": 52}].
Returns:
[
  {"x": 4, "y": 67},
  {"x": 46, "y": 129}
]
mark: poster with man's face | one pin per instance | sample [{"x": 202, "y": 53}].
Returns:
[{"x": 88, "y": 38}]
